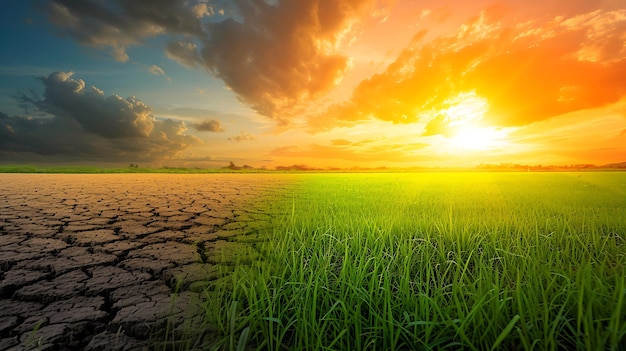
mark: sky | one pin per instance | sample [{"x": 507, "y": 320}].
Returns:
[{"x": 323, "y": 83}]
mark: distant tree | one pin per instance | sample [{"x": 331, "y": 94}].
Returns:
[
  {"x": 232, "y": 166},
  {"x": 297, "y": 168}
]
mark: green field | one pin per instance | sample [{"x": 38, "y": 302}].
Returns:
[{"x": 473, "y": 261}]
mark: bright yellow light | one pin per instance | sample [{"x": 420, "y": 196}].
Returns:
[
  {"x": 477, "y": 138},
  {"x": 464, "y": 107},
  {"x": 464, "y": 114}
]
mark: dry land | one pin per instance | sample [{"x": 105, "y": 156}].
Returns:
[{"x": 103, "y": 262}]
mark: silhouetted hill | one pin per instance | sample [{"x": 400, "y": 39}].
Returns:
[{"x": 620, "y": 165}]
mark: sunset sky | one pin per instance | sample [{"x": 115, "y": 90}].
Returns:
[{"x": 326, "y": 83}]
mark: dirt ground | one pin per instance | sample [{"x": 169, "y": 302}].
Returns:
[{"x": 94, "y": 261}]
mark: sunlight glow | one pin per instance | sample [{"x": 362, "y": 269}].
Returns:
[
  {"x": 464, "y": 115},
  {"x": 478, "y": 138},
  {"x": 465, "y": 107}
]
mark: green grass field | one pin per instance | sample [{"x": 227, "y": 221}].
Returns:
[{"x": 472, "y": 261}]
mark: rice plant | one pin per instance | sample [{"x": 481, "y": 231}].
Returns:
[{"x": 423, "y": 261}]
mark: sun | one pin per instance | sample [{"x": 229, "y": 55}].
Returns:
[
  {"x": 469, "y": 137},
  {"x": 464, "y": 116}
]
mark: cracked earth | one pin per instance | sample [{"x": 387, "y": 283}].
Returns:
[{"x": 103, "y": 262}]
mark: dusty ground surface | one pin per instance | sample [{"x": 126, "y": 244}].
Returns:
[{"x": 93, "y": 261}]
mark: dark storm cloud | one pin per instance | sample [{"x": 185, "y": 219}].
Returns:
[
  {"x": 122, "y": 23},
  {"x": 109, "y": 116},
  {"x": 272, "y": 55},
  {"x": 84, "y": 122},
  {"x": 276, "y": 56}
]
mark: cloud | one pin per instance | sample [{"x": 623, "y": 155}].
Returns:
[
  {"x": 158, "y": 71},
  {"x": 208, "y": 125},
  {"x": 194, "y": 116},
  {"x": 279, "y": 56},
  {"x": 275, "y": 56},
  {"x": 340, "y": 142},
  {"x": 203, "y": 9},
  {"x": 184, "y": 53},
  {"x": 242, "y": 136},
  {"x": 119, "y": 24},
  {"x": 527, "y": 72},
  {"x": 243, "y": 52},
  {"x": 84, "y": 122},
  {"x": 580, "y": 133},
  {"x": 108, "y": 116}
]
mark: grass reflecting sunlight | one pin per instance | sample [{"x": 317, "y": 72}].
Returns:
[{"x": 473, "y": 261}]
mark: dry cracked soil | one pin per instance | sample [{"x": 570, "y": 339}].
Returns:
[{"x": 104, "y": 262}]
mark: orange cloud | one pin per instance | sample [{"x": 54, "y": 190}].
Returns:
[
  {"x": 276, "y": 56},
  {"x": 340, "y": 142},
  {"x": 242, "y": 136},
  {"x": 527, "y": 72},
  {"x": 208, "y": 125}
]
